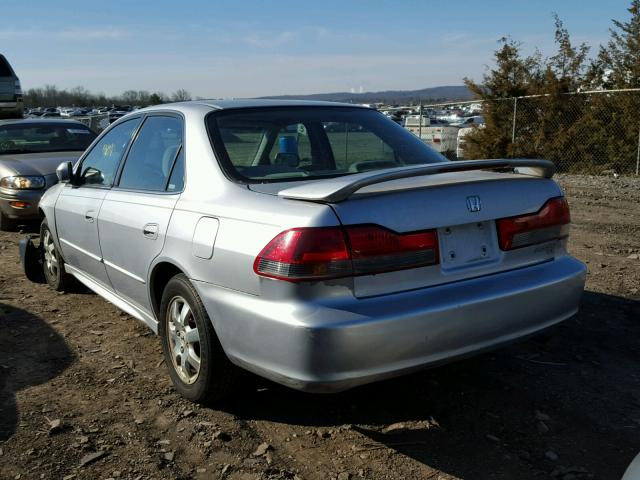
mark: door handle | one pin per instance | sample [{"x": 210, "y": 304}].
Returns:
[
  {"x": 90, "y": 216},
  {"x": 150, "y": 230}
]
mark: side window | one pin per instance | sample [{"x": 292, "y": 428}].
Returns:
[
  {"x": 152, "y": 155},
  {"x": 100, "y": 165},
  {"x": 176, "y": 180}
]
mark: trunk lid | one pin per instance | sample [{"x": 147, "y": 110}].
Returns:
[{"x": 468, "y": 241}]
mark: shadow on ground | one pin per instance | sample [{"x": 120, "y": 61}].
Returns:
[
  {"x": 31, "y": 353},
  {"x": 483, "y": 414}
]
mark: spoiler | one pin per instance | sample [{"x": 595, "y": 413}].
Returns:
[{"x": 339, "y": 189}]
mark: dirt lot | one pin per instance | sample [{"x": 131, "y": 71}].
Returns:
[{"x": 78, "y": 377}]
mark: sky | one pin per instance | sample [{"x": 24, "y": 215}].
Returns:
[{"x": 247, "y": 48}]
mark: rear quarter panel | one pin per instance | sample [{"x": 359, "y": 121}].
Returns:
[{"x": 248, "y": 221}]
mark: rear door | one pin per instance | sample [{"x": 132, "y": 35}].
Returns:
[
  {"x": 78, "y": 205},
  {"x": 135, "y": 214}
]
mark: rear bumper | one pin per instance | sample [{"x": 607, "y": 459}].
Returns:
[{"x": 345, "y": 342}]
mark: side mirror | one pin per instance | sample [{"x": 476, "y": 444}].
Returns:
[
  {"x": 64, "y": 172},
  {"x": 93, "y": 176}
]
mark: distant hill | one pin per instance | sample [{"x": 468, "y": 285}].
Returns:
[{"x": 433, "y": 94}]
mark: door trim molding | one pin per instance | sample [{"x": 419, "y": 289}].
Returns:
[
  {"x": 123, "y": 271},
  {"x": 81, "y": 250}
]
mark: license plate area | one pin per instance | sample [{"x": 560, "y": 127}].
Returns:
[{"x": 468, "y": 245}]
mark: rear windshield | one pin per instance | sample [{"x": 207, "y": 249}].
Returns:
[
  {"x": 32, "y": 138},
  {"x": 284, "y": 143}
]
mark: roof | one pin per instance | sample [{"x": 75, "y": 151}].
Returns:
[
  {"x": 41, "y": 121},
  {"x": 269, "y": 102},
  {"x": 253, "y": 103}
]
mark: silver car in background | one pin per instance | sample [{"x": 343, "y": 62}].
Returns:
[
  {"x": 30, "y": 152},
  {"x": 319, "y": 245}
]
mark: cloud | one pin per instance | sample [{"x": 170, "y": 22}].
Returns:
[
  {"x": 109, "y": 33},
  {"x": 265, "y": 41},
  {"x": 104, "y": 33}
]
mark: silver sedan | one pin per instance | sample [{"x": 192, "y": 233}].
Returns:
[{"x": 319, "y": 245}]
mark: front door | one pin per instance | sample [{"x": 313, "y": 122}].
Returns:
[{"x": 78, "y": 205}]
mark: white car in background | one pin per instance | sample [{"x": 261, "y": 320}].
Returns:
[
  {"x": 469, "y": 121},
  {"x": 442, "y": 137}
]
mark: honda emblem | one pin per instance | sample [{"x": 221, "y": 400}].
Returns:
[{"x": 474, "y": 204}]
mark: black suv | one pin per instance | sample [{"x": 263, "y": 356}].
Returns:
[{"x": 10, "y": 91}]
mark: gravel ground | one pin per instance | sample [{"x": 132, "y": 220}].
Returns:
[{"x": 84, "y": 393}]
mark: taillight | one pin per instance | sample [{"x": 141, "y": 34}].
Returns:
[
  {"x": 551, "y": 222},
  {"x": 322, "y": 253},
  {"x": 375, "y": 249},
  {"x": 305, "y": 253}
]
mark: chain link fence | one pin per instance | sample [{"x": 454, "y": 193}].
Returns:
[{"x": 591, "y": 132}]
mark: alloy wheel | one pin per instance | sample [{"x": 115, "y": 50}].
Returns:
[
  {"x": 50, "y": 255},
  {"x": 184, "y": 340}
]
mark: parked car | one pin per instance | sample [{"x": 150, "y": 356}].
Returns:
[
  {"x": 247, "y": 235},
  {"x": 30, "y": 151},
  {"x": 412, "y": 122},
  {"x": 470, "y": 121},
  {"x": 11, "y": 104},
  {"x": 438, "y": 134}
]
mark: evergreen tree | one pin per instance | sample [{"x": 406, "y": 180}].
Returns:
[
  {"x": 618, "y": 63},
  {"x": 545, "y": 123},
  {"x": 613, "y": 119},
  {"x": 512, "y": 76},
  {"x": 565, "y": 69}
]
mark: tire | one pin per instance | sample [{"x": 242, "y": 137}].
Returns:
[
  {"x": 53, "y": 264},
  {"x": 6, "y": 224},
  {"x": 200, "y": 370}
]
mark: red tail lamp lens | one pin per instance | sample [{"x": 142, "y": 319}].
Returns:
[
  {"x": 551, "y": 222},
  {"x": 321, "y": 253}
]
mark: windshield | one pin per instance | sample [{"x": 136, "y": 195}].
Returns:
[
  {"x": 285, "y": 143},
  {"x": 43, "y": 137}
]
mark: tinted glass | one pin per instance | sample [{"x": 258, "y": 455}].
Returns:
[
  {"x": 292, "y": 146},
  {"x": 176, "y": 181},
  {"x": 284, "y": 144},
  {"x": 351, "y": 142},
  {"x": 54, "y": 137},
  {"x": 151, "y": 157},
  {"x": 100, "y": 165}
]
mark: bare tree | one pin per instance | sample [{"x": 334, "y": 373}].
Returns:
[{"x": 180, "y": 95}]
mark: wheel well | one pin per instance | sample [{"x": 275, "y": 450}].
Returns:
[{"x": 162, "y": 273}]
